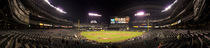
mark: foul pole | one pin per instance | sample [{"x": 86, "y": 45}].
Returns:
[{"x": 78, "y": 24}]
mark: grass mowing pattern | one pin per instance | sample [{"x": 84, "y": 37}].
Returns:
[{"x": 110, "y": 36}]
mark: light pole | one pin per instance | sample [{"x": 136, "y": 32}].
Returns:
[
  {"x": 94, "y": 19},
  {"x": 148, "y": 25},
  {"x": 78, "y": 24},
  {"x": 142, "y": 14},
  {"x": 94, "y": 15}
]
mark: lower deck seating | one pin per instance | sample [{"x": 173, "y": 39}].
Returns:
[{"x": 64, "y": 38}]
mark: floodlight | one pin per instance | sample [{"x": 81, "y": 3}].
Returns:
[
  {"x": 141, "y": 13},
  {"x": 169, "y": 7},
  {"x": 58, "y": 9},
  {"x": 94, "y": 14}
]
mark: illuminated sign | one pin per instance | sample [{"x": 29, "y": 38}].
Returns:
[
  {"x": 41, "y": 24},
  {"x": 120, "y": 20},
  {"x": 135, "y": 26}
]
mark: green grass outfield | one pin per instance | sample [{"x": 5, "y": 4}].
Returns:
[{"x": 110, "y": 36}]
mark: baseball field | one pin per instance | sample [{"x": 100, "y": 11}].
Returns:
[{"x": 110, "y": 36}]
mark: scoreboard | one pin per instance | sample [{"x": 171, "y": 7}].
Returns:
[{"x": 120, "y": 20}]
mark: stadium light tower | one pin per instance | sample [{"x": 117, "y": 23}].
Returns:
[
  {"x": 94, "y": 17},
  {"x": 142, "y": 13},
  {"x": 169, "y": 7},
  {"x": 94, "y": 14},
  {"x": 57, "y": 8}
]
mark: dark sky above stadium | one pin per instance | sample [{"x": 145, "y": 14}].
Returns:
[{"x": 78, "y": 9}]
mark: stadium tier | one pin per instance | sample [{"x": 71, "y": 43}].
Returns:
[{"x": 68, "y": 38}]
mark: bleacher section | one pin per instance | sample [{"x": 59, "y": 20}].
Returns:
[{"x": 65, "y": 38}]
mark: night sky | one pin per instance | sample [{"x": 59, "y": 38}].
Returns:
[{"x": 78, "y": 9}]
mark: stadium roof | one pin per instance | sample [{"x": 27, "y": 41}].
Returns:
[{"x": 159, "y": 11}]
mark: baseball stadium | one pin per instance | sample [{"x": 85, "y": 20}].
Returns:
[{"x": 104, "y": 24}]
